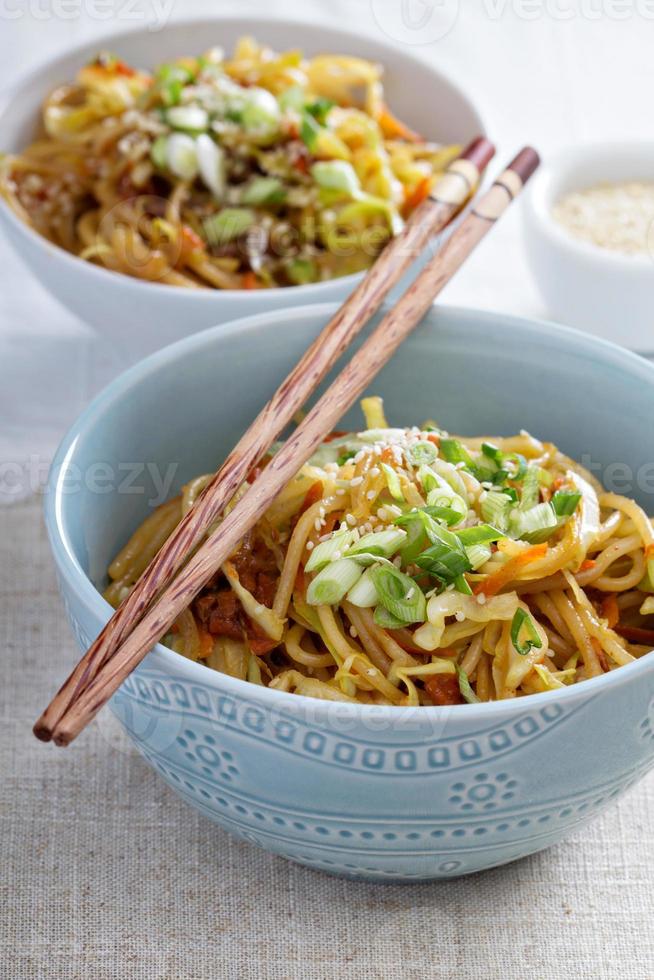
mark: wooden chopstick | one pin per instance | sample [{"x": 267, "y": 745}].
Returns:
[
  {"x": 322, "y": 418},
  {"x": 452, "y": 191}
]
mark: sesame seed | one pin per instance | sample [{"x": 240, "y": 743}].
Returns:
[
  {"x": 353, "y": 632},
  {"x": 459, "y": 616},
  {"x": 356, "y": 481},
  {"x": 382, "y": 514},
  {"x": 351, "y": 520},
  {"x": 371, "y": 494},
  {"x": 397, "y": 561},
  {"x": 410, "y": 594},
  {"x": 323, "y": 522},
  {"x": 309, "y": 545},
  {"x": 481, "y": 599},
  {"x": 321, "y": 511},
  {"x": 316, "y": 523},
  {"x": 375, "y": 471},
  {"x": 340, "y": 492}
]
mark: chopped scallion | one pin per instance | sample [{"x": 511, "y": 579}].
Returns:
[
  {"x": 422, "y": 453},
  {"x": 333, "y": 582},
  {"x": 565, "y": 502},
  {"x": 467, "y": 692},
  {"x": 399, "y": 594},
  {"x": 324, "y": 552},
  {"x": 524, "y": 635}
]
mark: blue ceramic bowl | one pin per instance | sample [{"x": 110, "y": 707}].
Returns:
[{"x": 371, "y": 792}]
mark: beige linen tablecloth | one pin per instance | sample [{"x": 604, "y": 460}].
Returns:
[{"x": 104, "y": 873}]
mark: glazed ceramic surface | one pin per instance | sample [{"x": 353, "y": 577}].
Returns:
[
  {"x": 140, "y": 317},
  {"x": 372, "y": 792},
  {"x": 592, "y": 288}
]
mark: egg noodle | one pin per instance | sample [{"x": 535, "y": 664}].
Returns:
[
  {"x": 408, "y": 567},
  {"x": 258, "y": 170}
]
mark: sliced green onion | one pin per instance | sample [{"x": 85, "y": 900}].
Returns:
[
  {"x": 565, "y": 502},
  {"x": 263, "y": 190},
  {"x": 443, "y": 562},
  {"x": 363, "y": 593},
  {"x": 422, "y": 453},
  {"x": 309, "y": 131},
  {"x": 467, "y": 692},
  {"x": 261, "y": 112},
  {"x": 324, "y": 552},
  {"x": 336, "y": 175},
  {"x": 292, "y": 98},
  {"x": 384, "y": 543},
  {"x": 399, "y": 594},
  {"x": 182, "y": 156},
  {"x": 495, "y": 508},
  {"x": 445, "y": 496},
  {"x": 455, "y": 452},
  {"x": 227, "y": 225},
  {"x": 320, "y": 109},
  {"x": 446, "y": 514},
  {"x": 190, "y": 118},
  {"x": 479, "y": 534},
  {"x": 416, "y": 538},
  {"x": 535, "y": 525},
  {"x": 393, "y": 482},
  {"x": 211, "y": 161},
  {"x": 461, "y": 585},
  {"x": 159, "y": 152},
  {"x": 478, "y": 555},
  {"x": 492, "y": 452},
  {"x": 530, "y": 489},
  {"x": 519, "y": 463},
  {"x": 522, "y": 625},
  {"x": 333, "y": 582},
  {"x": 387, "y": 620}
]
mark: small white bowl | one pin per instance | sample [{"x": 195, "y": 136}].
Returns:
[
  {"x": 140, "y": 317},
  {"x": 589, "y": 287}
]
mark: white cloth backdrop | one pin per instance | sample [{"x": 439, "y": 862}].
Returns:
[{"x": 103, "y": 873}]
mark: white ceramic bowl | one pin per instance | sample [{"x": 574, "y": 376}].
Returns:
[
  {"x": 589, "y": 287},
  {"x": 141, "y": 317}
]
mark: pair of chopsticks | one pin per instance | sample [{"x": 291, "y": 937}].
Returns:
[{"x": 172, "y": 580}]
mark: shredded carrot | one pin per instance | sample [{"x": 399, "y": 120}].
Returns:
[
  {"x": 387, "y": 456},
  {"x": 649, "y": 552},
  {"x": 334, "y": 434},
  {"x": 416, "y": 196},
  {"x": 587, "y": 565},
  {"x": 432, "y": 437},
  {"x": 492, "y": 584},
  {"x": 394, "y": 129},
  {"x": 601, "y": 656},
  {"x": 610, "y": 610},
  {"x": 250, "y": 280},
  {"x": 190, "y": 242},
  {"x": 206, "y": 641},
  {"x": 313, "y": 495}
]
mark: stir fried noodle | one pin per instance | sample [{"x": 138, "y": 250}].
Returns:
[
  {"x": 258, "y": 170},
  {"x": 408, "y": 567}
]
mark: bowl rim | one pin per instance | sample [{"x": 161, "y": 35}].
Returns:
[
  {"x": 305, "y": 291},
  {"x": 543, "y": 188},
  {"x": 175, "y": 664}
]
